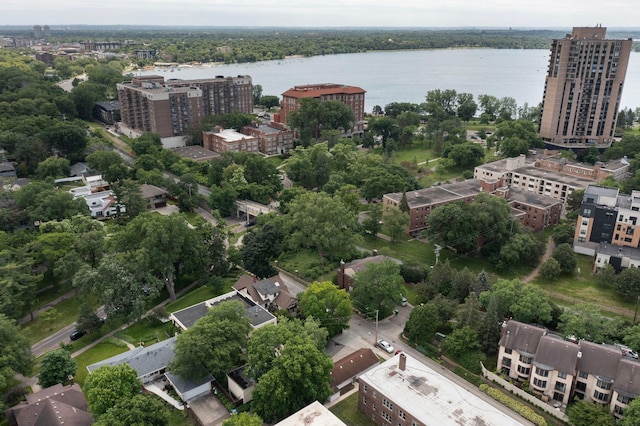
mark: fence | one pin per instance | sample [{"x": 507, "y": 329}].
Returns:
[{"x": 524, "y": 395}]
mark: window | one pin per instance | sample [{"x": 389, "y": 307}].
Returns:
[
  {"x": 375, "y": 395},
  {"x": 387, "y": 403},
  {"x": 507, "y": 351},
  {"x": 365, "y": 389},
  {"x": 624, "y": 399},
  {"x": 414, "y": 423},
  {"x": 581, "y": 386},
  {"x": 562, "y": 375},
  {"x": 603, "y": 385},
  {"x": 541, "y": 372},
  {"x": 386, "y": 416},
  {"x": 583, "y": 375},
  {"x": 523, "y": 370},
  {"x": 618, "y": 410},
  {"x": 374, "y": 407},
  {"x": 540, "y": 383},
  {"x": 601, "y": 396},
  {"x": 506, "y": 362},
  {"x": 364, "y": 400},
  {"x": 402, "y": 415},
  {"x": 560, "y": 386},
  {"x": 525, "y": 359}
]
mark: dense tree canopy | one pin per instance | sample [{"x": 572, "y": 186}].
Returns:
[
  {"x": 107, "y": 386},
  {"x": 141, "y": 410},
  {"x": 327, "y": 304},
  {"x": 378, "y": 287},
  {"x": 56, "y": 367},
  {"x": 15, "y": 352},
  {"x": 214, "y": 343},
  {"x": 316, "y": 220}
]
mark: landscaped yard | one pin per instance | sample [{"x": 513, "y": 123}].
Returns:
[
  {"x": 149, "y": 331},
  {"x": 101, "y": 351},
  {"x": 347, "y": 411}
]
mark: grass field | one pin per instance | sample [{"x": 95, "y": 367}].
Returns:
[
  {"x": 99, "y": 352},
  {"x": 148, "y": 330},
  {"x": 347, "y": 411}
]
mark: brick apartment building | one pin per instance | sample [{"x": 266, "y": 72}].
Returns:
[
  {"x": 404, "y": 391},
  {"x": 583, "y": 88},
  {"x": 149, "y": 104},
  {"x": 548, "y": 174},
  {"x": 351, "y": 96},
  {"x": 268, "y": 139},
  {"x": 534, "y": 211},
  {"x": 607, "y": 227},
  {"x": 560, "y": 370}
]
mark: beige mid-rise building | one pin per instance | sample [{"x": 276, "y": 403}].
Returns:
[{"x": 583, "y": 89}]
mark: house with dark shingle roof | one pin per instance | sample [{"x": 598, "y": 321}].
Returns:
[
  {"x": 597, "y": 369},
  {"x": 518, "y": 346},
  {"x": 52, "y": 406},
  {"x": 270, "y": 293},
  {"x": 626, "y": 386},
  {"x": 554, "y": 368},
  {"x": 345, "y": 371}
]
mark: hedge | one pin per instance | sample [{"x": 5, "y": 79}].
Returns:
[{"x": 515, "y": 405}]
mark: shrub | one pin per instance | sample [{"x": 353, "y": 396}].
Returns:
[{"x": 516, "y": 406}]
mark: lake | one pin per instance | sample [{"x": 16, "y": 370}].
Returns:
[{"x": 407, "y": 75}]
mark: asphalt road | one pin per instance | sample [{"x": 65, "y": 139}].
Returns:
[{"x": 61, "y": 336}]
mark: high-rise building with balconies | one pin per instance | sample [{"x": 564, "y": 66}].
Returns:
[{"x": 583, "y": 89}]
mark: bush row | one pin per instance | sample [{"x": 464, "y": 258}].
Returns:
[{"x": 516, "y": 406}]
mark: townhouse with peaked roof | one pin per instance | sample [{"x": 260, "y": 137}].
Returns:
[{"x": 559, "y": 370}]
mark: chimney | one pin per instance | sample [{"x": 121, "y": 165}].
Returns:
[{"x": 402, "y": 364}]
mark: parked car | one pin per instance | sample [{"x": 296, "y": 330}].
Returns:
[
  {"x": 249, "y": 224},
  {"x": 386, "y": 346},
  {"x": 404, "y": 301},
  {"x": 76, "y": 335},
  {"x": 627, "y": 351}
]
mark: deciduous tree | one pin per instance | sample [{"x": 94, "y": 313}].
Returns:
[
  {"x": 395, "y": 221},
  {"x": 107, "y": 386},
  {"x": 588, "y": 413},
  {"x": 141, "y": 410},
  {"x": 15, "y": 352},
  {"x": 316, "y": 220},
  {"x": 422, "y": 323},
  {"x": 327, "y": 304},
  {"x": 214, "y": 343},
  {"x": 56, "y": 367},
  {"x": 378, "y": 286}
]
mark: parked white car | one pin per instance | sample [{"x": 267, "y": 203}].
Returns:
[{"x": 384, "y": 345}]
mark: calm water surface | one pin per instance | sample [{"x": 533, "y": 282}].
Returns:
[{"x": 406, "y": 76}]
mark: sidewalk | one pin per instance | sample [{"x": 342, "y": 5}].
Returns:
[
  {"x": 27, "y": 318},
  {"x": 122, "y": 327}
]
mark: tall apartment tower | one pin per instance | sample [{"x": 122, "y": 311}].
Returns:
[
  {"x": 583, "y": 88},
  {"x": 147, "y": 105},
  {"x": 151, "y": 104}
]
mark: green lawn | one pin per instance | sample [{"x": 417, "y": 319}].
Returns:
[
  {"x": 418, "y": 152},
  {"x": 200, "y": 294},
  {"x": 99, "y": 352},
  {"x": 347, "y": 411},
  {"x": 68, "y": 313},
  {"x": 149, "y": 331}
]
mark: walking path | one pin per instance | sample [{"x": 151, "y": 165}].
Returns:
[
  {"x": 27, "y": 318},
  {"x": 547, "y": 254}
]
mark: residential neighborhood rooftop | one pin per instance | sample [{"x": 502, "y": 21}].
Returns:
[
  {"x": 431, "y": 398},
  {"x": 144, "y": 360},
  {"x": 556, "y": 353},
  {"x": 314, "y": 414},
  {"x": 187, "y": 317},
  {"x": 522, "y": 337},
  {"x": 438, "y": 194},
  {"x": 598, "y": 359}
]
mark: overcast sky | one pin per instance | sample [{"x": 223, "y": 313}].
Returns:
[{"x": 324, "y": 13}]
